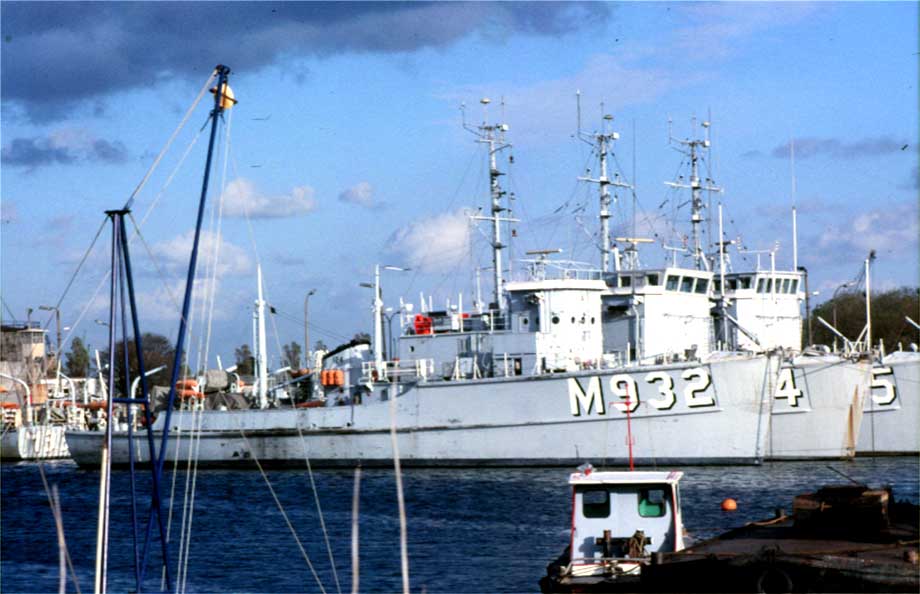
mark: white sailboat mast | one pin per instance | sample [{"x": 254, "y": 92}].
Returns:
[{"x": 261, "y": 355}]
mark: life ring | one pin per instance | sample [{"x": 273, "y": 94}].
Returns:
[{"x": 773, "y": 580}]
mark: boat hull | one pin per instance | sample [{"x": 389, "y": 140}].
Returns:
[
  {"x": 892, "y": 414},
  {"x": 817, "y": 408},
  {"x": 688, "y": 413},
  {"x": 35, "y": 442}
]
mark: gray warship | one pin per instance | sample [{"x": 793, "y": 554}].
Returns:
[{"x": 614, "y": 364}]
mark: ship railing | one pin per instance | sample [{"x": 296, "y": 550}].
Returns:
[{"x": 397, "y": 370}]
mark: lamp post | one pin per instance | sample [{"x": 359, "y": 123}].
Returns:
[
  {"x": 378, "y": 312},
  {"x": 845, "y": 285},
  {"x": 57, "y": 320},
  {"x": 306, "y": 327}
]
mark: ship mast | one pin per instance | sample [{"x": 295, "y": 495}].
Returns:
[
  {"x": 604, "y": 140},
  {"x": 493, "y": 135},
  {"x": 696, "y": 190}
]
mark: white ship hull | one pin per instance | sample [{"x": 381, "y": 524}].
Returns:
[
  {"x": 35, "y": 442},
  {"x": 817, "y": 409},
  {"x": 892, "y": 414},
  {"x": 712, "y": 413}
]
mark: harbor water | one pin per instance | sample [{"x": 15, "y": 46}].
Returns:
[{"x": 469, "y": 530}]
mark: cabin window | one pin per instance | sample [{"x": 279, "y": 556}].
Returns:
[
  {"x": 702, "y": 286},
  {"x": 653, "y": 280},
  {"x": 732, "y": 284},
  {"x": 592, "y": 319},
  {"x": 573, "y": 319},
  {"x": 525, "y": 321},
  {"x": 686, "y": 284},
  {"x": 795, "y": 285},
  {"x": 745, "y": 282},
  {"x": 672, "y": 283},
  {"x": 652, "y": 503},
  {"x": 595, "y": 503},
  {"x": 625, "y": 281},
  {"x": 411, "y": 349}
]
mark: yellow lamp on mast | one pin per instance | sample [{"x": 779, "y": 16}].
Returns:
[{"x": 227, "y": 99}]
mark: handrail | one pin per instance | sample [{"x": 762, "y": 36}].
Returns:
[{"x": 28, "y": 395}]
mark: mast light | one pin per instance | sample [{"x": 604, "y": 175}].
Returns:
[{"x": 227, "y": 99}]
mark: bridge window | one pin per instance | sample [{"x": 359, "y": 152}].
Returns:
[
  {"x": 625, "y": 281},
  {"x": 716, "y": 285},
  {"x": 732, "y": 284},
  {"x": 761, "y": 283},
  {"x": 595, "y": 503},
  {"x": 795, "y": 285},
  {"x": 686, "y": 284},
  {"x": 672, "y": 283},
  {"x": 702, "y": 286},
  {"x": 653, "y": 280}
]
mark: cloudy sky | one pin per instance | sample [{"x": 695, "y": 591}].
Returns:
[{"x": 346, "y": 148}]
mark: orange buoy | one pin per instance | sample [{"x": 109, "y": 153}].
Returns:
[{"x": 729, "y": 504}]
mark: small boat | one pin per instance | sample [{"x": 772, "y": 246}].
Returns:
[
  {"x": 619, "y": 519},
  {"x": 627, "y": 536}
]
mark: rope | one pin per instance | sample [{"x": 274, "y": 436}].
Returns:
[
  {"x": 355, "y": 502},
  {"x": 175, "y": 133},
  {"x": 55, "y": 502},
  {"x": 403, "y": 546},
  {"x": 319, "y": 510},
  {"x": 73, "y": 277},
  {"x": 283, "y": 513}
]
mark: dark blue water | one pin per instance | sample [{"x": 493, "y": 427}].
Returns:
[{"x": 470, "y": 530}]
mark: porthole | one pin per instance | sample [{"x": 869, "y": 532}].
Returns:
[{"x": 555, "y": 319}]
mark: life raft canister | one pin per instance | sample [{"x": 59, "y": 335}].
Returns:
[{"x": 422, "y": 324}]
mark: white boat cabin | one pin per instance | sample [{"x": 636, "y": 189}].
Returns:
[
  {"x": 657, "y": 315},
  {"x": 620, "y": 518},
  {"x": 767, "y": 307}
]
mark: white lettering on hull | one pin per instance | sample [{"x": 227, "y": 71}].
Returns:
[
  {"x": 786, "y": 388},
  {"x": 889, "y": 393},
  {"x": 697, "y": 392}
]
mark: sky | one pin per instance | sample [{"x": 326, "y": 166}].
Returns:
[{"x": 348, "y": 149}]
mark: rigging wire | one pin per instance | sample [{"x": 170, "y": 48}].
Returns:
[
  {"x": 319, "y": 509},
  {"x": 283, "y": 513}
]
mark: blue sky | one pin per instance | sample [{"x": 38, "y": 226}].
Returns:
[{"x": 347, "y": 148}]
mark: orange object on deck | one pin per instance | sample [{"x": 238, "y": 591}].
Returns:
[
  {"x": 187, "y": 384},
  {"x": 422, "y": 324},
  {"x": 9, "y": 405},
  {"x": 189, "y": 394},
  {"x": 310, "y": 404}
]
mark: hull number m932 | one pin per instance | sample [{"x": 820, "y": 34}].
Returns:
[{"x": 658, "y": 388}]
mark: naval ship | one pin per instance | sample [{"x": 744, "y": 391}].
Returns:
[{"x": 610, "y": 365}]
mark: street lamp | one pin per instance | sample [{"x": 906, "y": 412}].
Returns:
[
  {"x": 57, "y": 319},
  {"x": 306, "y": 327},
  {"x": 378, "y": 311},
  {"x": 845, "y": 285}
]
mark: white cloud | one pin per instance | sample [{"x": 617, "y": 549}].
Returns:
[
  {"x": 361, "y": 194},
  {"x": 173, "y": 255},
  {"x": 434, "y": 244},
  {"x": 892, "y": 230},
  {"x": 546, "y": 108},
  {"x": 241, "y": 199}
]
